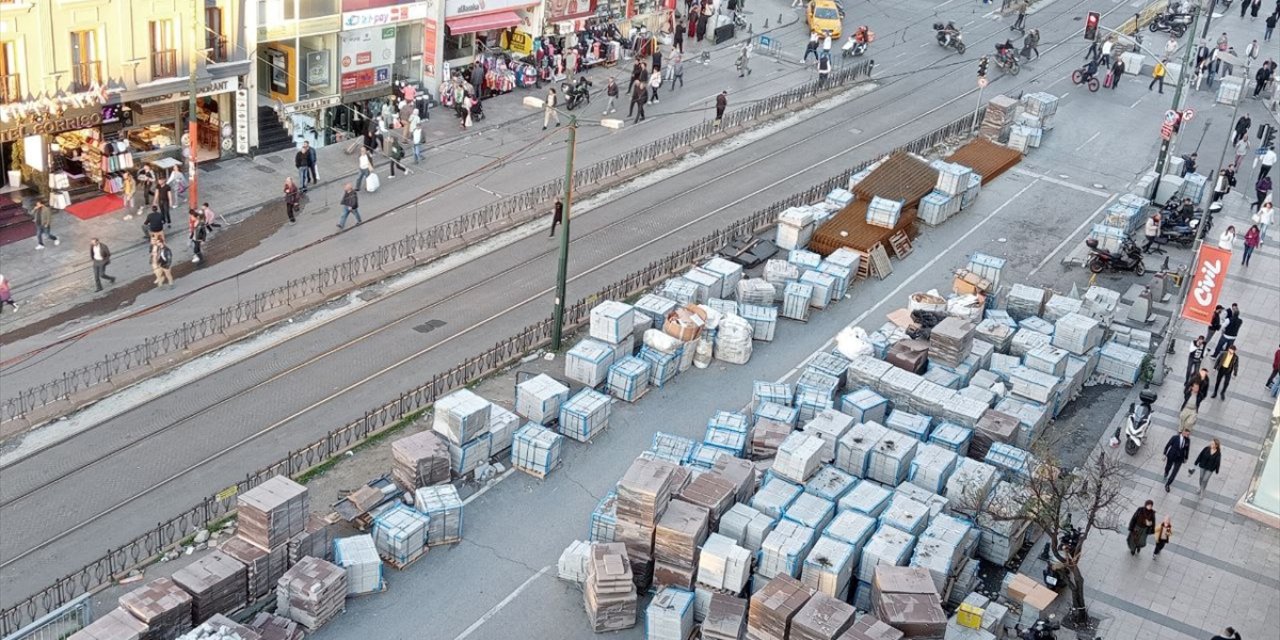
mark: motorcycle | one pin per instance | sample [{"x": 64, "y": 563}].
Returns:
[
  {"x": 576, "y": 95},
  {"x": 857, "y": 42},
  {"x": 1137, "y": 423},
  {"x": 948, "y": 39},
  {"x": 1087, "y": 78},
  {"x": 1175, "y": 23},
  {"x": 1008, "y": 62},
  {"x": 1043, "y": 629},
  {"x": 1055, "y": 573},
  {"x": 1128, "y": 259}
]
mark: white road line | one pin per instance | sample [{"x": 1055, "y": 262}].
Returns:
[
  {"x": 92, "y": 326},
  {"x": 264, "y": 261},
  {"x": 1086, "y": 142},
  {"x": 485, "y": 489},
  {"x": 493, "y": 611},
  {"x": 1073, "y": 233},
  {"x": 1062, "y": 183},
  {"x": 1135, "y": 102},
  {"x": 898, "y": 290}
]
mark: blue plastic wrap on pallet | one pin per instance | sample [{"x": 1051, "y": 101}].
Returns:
[
  {"x": 813, "y": 380},
  {"x": 400, "y": 534},
  {"x": 709, "y": 284},
  {"x": 861, "y": 596},
  {"x": 943, "y": 375},
  {"x": 725, "y": 307},
  {"x": 810, "y": 511},
  {"x": 888, "y": 545},
  {"x": 953, "y": 437},
  {"x": 867, "y": 497},
  {"x": 823, "y": 287},
  {"x": 588, "y": 362},
  {"x": 604, "y": 519},
  {"x": 669, "y": 615},
  {"x": 730, "y": 420},
  {"x": 359, "y": 556},
  {"x": 1001, "y": 316},
  {"x": 730, "y": 272},
  {"x": 796, "y": 298},
  {"x": 879, "y": 344},
  {"x": 536, "y": 450},
  {"x": 682, "y": 291},
  {"x": 464, "y": 459},
  {"x": 828, "y": 567},
  {"x": 538, "y": 399},
  {"x": 865, "y": 405},
  {"x": 443, "y": 506},
  {"x": 775, "y": 392},
  {"x": 764, "y": 320},
  {"x": 705, "y": 456},
  {"x": 841, "y": 278},
  {"x": 1012, "y": 461},
  {"x": 810, "y": 402},
  {"x": 987, "y": 266},
  {"x": 656, "y": 307},
  {"x": 830, "y": 483},
  {"x": 612, "y": 321},
  {"x": 852, "y": 527},
  {"x": 628, "y": 379},
  {"x": 671, "y": 447},
  {"x": 662, "y": 366},
  {"x": 955, "y": 530},
  {"x": 932, "y": 467},
  {"x": 804, "y": 259},
  {"x": 726, "y": 439},
  {"x": 906, "y": 514},
  {"x": 779, "y": 413},
  {"x": 784, "y": 549},
  {"x": 774, "y": 496},
  {"x": 584, "y": 415},
  {"x": 912, "y": 424},
  {"x": 831, "y": 364}
]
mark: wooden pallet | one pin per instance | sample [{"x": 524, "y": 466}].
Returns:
[
  {"x": 880, "y": 265},
  {"x": 901, "y": 244},
  {"x": 864, "y": 267}
]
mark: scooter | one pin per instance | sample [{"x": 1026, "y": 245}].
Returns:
[
  {"x": 947, "y": 39},
  {"x": 1008, "y": 62},
  {"x": 856, "y": 45},
  {"x": 1137, "y": 423},
  {"x": 1175, "y": 23},
  {"x": 1128, "y": 259}
]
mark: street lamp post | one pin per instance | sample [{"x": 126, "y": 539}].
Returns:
[
  {"x": 1183, "y": 75},
  {"x": 193, "y": 125},
  {"x": 562, "y": 269}
]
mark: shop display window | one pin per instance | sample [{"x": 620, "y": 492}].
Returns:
[
  {"x": 154, "y": 137},
  {"x": 459, "y": 46}
]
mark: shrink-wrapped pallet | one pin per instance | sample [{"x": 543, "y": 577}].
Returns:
[
  {"x": 830, "y": 483},
  {"x": 823, "y": 287},
  {"x": 796, "y": 297},
  {"x": 1037, "y": 324},
  {"x": 866, "y": 371},
  {"x": 419, "y": 460},
  {"x": 733, "y": 340},
  {"x": 964, "y": 410},
  {"x": 865, "y": 405},
  {"x": 1119, "y": 363},
  {"x": 444, "y": 508},
  {"x": 712, "y": 492},
  {"x": 312, "y": 592},
  {"x": 1024, "y": 301},
  {"x": 273, "y": 627},
  {"x": 832, "y": 364},
  {"x": 757, "y": 291},
  {"x": 822, "y": 618},
  {"x": 810, "y": 511},
  {"x": 466, "y": 458},
  {"x": 935, "y": 502},
  {"x": 609, "y": 594},
  {"x": 1002, "y": 531},
  {"x": 1033, "y": 385},
  {"x": 867, "y": 497},
  {"x": 995, "y": 333},
  {"x": 588, "y": 362},
  {"x": 502, "y": 428},
  {"x": 852, "y": 528},
  {"x": 829, "y": 426},
  {"x": 891, "y": 458},
  {"x": 535, "y": 450},
  {"x": 798, "y": 457},
  {"x": 763, "y": 320},
  {"x": 682, "y": 291},
  {"x": 1013, "y": 463},
  {"x": 538, "y": 399},
  {"x": 911, "y": 424},
  {"x": 969, "y": 486},
  {"x": 162, "y": 606},
  {"x": 604, "y": 519},
  {"x": 358, "y": 555},
  {"x": 841, "y": 277},
  {"x": 1059, "y": 306},
  {"x": 774, "y": 607},
  {"x": 887, "y": 546},
  {"x": 671, "y": 447},
  {"x": 461, "y": 416},
  {"x": 804, "y": 259},
  {"x": 746, "y": 526},
  {"x": 776, "y": 392},
  {"x": 779, "y": 272},
  {"x": 775, "y": 495},
  {"x": 957, "y": 531},
  {"x": 710, "y": 285},
  {"x": 628, "y": 379},
  {"x": 853, "y": 449},
  {"x": 952, "y": 437},
  {"x": 669, "y": 615},
  {"x": 217, "y": 583},
  {"x": 783, "y": 414},
  {"x": 723, "y": 306},
  {"x": 784, "y": 549},
  {"x": 663, "y": 366},
  {"x": 730, "y": 273},
  {"x": 829, "y": 566},
  {"x": 905, "y": 514},
  {"x": 1025, "y": 339},
  {"x": 272, "y": 512},
  {"x": 655, "y": 307},
  {"x": 795, "y": 228},
  {"x": 723, "y": 564},
  {"x": 932, "y": 467},
  {"x": 810, "y": 401},
  {"x": 883, "y": 212},
  {"x": 584, "y": 415}
]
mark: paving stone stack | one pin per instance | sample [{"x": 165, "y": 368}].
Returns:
[
  {"x": 163, "y": 606},
  {"x": 274, "y": 627},
  {"x": 711, "y": 492},
  {"x": 799, "y": 457},
  {"x": 774, "y": 607},
  {"x": 783, "y": 551},
  {"x": 572, "y": 565},
  {"x": 746, "y": 526},
  {"x": 968, "y": 487},
  {"x": 890, "y": 460},
  {"x": 588, "y": 362},
  {"x": 669, "y": 615},
  {"x": 679, "y": 533},
  {"x": 444, "y": 508},
  {"x": 419, "y": 460},
  {"x": 869, "y": 628},
  {"x": 822, "y": 618},
  {"x": 1002, "y": 537},
  {"x": 535, "y": 450},
  {"x": 643, "y": 494},
  {"x": 994, "y": 426},
  {"x": 867, "y": 498},
  {"x": 830, "y": 483},
  {"x": 904, "y": 598},
  {"x": 312, "y": 592},
  {"x": 766, "y": 437},
  {"x": 264, "y": 568},
  {"x": 810, "y": 511},
  {"x": 726, "y": 618},
  {"x": 998, "y": 118},
  {"x": 905, "y": 514},
  {"x": 358, "y": 555},
  {"x": 950, "y": 342},
  {"x": 723, "y": 565},
  {"x": 628, "y": 379},
  {"x": 272, "y": 512},
  {"x": 217, "y": 583},
  {"x": 741, "y": 473},
  {"x": 117, "y": 624},
  {"x": 828, "y": 568},
  {"x": 315, "y": 539},
  {"x": 538, "y": 399},
  {"x": 775, "y": 496},
  {"x": 610, "y": 591},
  {"x": 400, "y": 534},
  {"x": 220, "y": 627}
]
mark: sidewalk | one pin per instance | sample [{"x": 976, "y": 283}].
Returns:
[{"x": 52, "y": 283}]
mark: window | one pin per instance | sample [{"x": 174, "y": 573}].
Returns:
[
  {"x": 10, "y": 78},
  {"x": 214, "y": 41},
  {"x": 164, "y": 50},
  {"x": 86, "y": 69}
]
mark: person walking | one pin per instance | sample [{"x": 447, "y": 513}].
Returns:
[
  {"x": 1228, "y": 238},
  {"x": 197, "y": 235},
  {"x": 1265, "y": 217},
  {"x": 812, "y": 47},
  {"x": 1242, "y": 150},
  {"x": 677, "y": 42},
  {"x": 1275, "y": 369},
  {"x": 147, "y": 180},
  {"x": 1021, "y": 23},
  {"x": 744, "y": 60},
  {"x": 161, "y": 262},
  {"x": 292, "y": 197},
  {"x": 415, "y": 135},
  {"x": 365, "y": 165},
  {"x": 655, "y": 83},
  {"x": 639, "y": 95},
  {"x": 1141, "y": 524},
  {"x": 549, "y": 112},
  {"x": 1033, "y": 43},
  {"x": 395, "y": 151},
  {"x": 164, "y": 200},
  {"x": 154, "y": 224},
  {"x": 722, "y": 102},
  {"x": 1250, "y": 243},
  {"x": 1150, "y": 231},
  {"x": 42, "y": 214},
  {"x": 557, "y": 216},
  {"x": 1215, "y": 322},
  {"x": 130, "y": 192},
  {"x": 6, "y": 294},
  {"x": 1230, "y": 330},
  {"x": 1117, "y": 70},
  {"x": 1267, "y": 161},
  {"x": 1164, "y": 532},
  {"x": 1176, "y": 452},
  {"x": 1195, "y": 356},
  {"x": 677, "y": 70},
  {"x": 1226, "y": 180},
  {"x": 100, "y": 255},
  {"x": 1229, "y": 633},
  {"x": 1242, "y": 130},
  {"x": 1197, "y": 387},
  {"x": 1270, "y": 26},
  {"x": 1207, "y": 462},
  {"x": 1254, "y": 7},
  {"x": 350, "y": 205},
  {"x": 1170, "y": 47},
  {"x": 1244, "y": 7},
  {"x": 1157, "y": 76},
  {"x": 610, "y": 92},
  {"x": 1228, "y": 367},
  {"x": 304, "y": 161}
]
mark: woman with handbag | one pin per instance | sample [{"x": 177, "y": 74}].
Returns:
[
  {"x": 291, "y": 199},
  {"x": 1141, "y": 525}
]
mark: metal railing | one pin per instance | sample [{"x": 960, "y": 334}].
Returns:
[
  {"x": 487, "y": 219},
  {"x": 169, "y": 533},
  {"x": 217, "y": 47},
  {"x": 59, "y": 623}
]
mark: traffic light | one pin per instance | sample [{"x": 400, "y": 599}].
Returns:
[
  {"x": 982, "y": 67},
  {"x": 1091, "y": 25}
]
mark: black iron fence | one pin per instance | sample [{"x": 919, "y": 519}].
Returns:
[
  {"x": 486, "y": 219},
  {"x": 168, "y": 534}
]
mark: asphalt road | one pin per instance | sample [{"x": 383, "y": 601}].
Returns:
[{"x": 62, "y": 505}]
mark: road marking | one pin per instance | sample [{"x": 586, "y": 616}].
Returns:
[
  {"x": 502, "y": 604},
  {"x": 1086, "y": 142},
  {"x": 1071, "y": 235},
  {"x": 1062, "y": 183},
  {"x": 1135, "y": 102}
]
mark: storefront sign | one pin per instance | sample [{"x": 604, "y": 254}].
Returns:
[
  {"x": 1207, "y": 279},
  {"x": 384, "y": 16},
  {"x": 429, "y": 47},
  {"x": 242, "y": 121},
  {"x": 367, "y": 55},
  {"x": 558, "y": 10},
  {"x": 517, "y": 41},
  {"x": 213, "y": 88},
  {"x": 287, "y": 29},
  {"x": 312, "y": 105},
  {"x": 455, "y": 8},
  {"x": 85, "y": 118}
]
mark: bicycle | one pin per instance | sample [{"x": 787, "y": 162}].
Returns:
[{"x": 1078, "y": 77}]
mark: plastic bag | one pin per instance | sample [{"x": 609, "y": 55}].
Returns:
[{"x": 852, "y": 342}]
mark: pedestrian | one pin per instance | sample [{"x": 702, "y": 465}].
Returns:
[
  {"x": 677, "y": 70},
  {"x": 1117, "y": 70},
  {"x": 1157, "y": 76},
  {"x": 549, "y": 112},
  {"x": 1033, "y": 43},
  {"x": 154, "y": 224},
  {"x": 610, "y": 92},
  {"x": 1141, "y": 525},
  {"x": 303, "y": 161},
  {"x": 655, "y": 83},
  {"x": 1223, "y": 43},
  {"x": 291, "y": 199},
  {"x": 350, "y": 205},
  {"x": 1208, "y": 462},
  {"x": 1228, "y": 238},
  {"x": 42, "y": 214},
  {"x": 1195, "y": 356},
  {"x": 1228, "y": 367},
  {"x": 366, "y": 167},
  {"x": 656, "y": 60},
  {"x": 744, "y": 60},
  {"x": 1251, "y": 52},
  {"x": 1151, "y": 231},
  {"x": 1215, "y": 323},
  {"x": 1242, "y": 150},
  {"x": 1164, "y": 532},
  {"x": 1267, "y": 161},
  {"x": 1176, "y": 452},
  {"x": 678, "y": 42},
  {"x": 1265, "y": 217},
  {"x": 1226, "y": 180},
  {"x": 812, "y": 47},
  {"x": 1021, "y": 22},
  {"x": 826, "y": 45},
  {"x": 1229, "y": 633},
  {"x": 371, "y": 142},
  {"x": 130, "y": 192},
  {"x": 557, "y": 216},
  {"x": 1270, "y": 26},
  {"x": 1250, "y": 243},
  {"x": 6, "y": 295},
  {"x": 147, "y": 180},
  {"x": 1254, "y": 7},
  {"x": 100, "y": 255},
  {"x": 1230, "y": 330},
  {"x": 197, "y": 234},
  {"x": 1242, "y": 130},
  {"x": 415, "y": 136},
  {"x": 824, "y": 70},
  {"x": 161, "y": 262},
  {"x": 1170, "y": 47},
  {"x": 210, "y": 218},
  {"x": 396, "y": 152},
  {"x": 1197, "y": 387},
  {"x": 163, "y": 201},
  {"x": 722, "y": 101}
]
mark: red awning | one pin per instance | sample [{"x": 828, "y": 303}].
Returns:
[{"x": 487, "y": 22}]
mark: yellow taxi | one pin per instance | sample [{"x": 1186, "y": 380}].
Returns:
[{"x": 824, "y": 18}]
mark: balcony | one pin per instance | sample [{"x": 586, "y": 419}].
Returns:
[
  {"x": 217, "y": 46},
  {"x": 85, "y": 74},
  {"x": 11, "y": 88},
  {"x": 164, "y": 63}
]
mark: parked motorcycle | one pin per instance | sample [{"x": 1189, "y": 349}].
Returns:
[
  {"x": 1175, "y": 23},
  {"x": 1128, "y": 259},
  {"x": 948, "y": 37},
  {"x": 1137, "y": 423}
]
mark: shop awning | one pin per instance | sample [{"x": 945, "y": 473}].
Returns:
[{"x": 487, "y": 22}]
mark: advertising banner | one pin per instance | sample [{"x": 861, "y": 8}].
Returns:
[
  {"x": 1208, "y": 275},
  {"x": 367, "y": 55}
]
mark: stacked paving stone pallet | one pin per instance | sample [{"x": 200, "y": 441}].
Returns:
[
  {"x": 358, "y": 555},
  {"x": 679, "y": 533},
  {"x": 263, "y": 568},
  {"x": 217, "y": 583},
  {"x": 400, "y": 535},
  {"x": 463, "y": 419},
  {"x": 957, "y": 188},
  {"x": 312, "y": 592},
  {"x": 669, "y": 615},
  {"x": 610, "y": 591},
  {"x": 221, "y": 627},
  {"x": 443, "y": 507},
  {"x": 420, "y": 460},
  {"x": 274, "y": 627},
  {"x": 1120, "y": 221},
  {"x": 161, "y": 605},
  {"x": 535, "y": 450}
]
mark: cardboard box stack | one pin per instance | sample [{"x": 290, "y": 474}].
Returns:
[
  {"x": 610, "y": 591},
  {"x": 419, "y": 460},
  {"x": 312, "y": 592},
  {"x": 1034, "y": 597},
  {"x": 163, "y": 606},
  {"x": 643, "y": 494},
  {"x": 217, "y": 583}
]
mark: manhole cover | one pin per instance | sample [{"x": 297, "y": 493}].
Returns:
[
  {"x": 429, "y": 326},
  {"x": 264, "y": 169}
]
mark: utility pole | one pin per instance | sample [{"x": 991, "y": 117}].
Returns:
[
  {"x": 1208, "y": 17},
  {"x": 562, "y": 270},
  {"x": 1183, "y": 74},
  {"x": 193, "y": 126}
]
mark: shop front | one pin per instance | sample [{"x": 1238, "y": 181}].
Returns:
[
  {"x": 157, "y": 123},
  {"x": 59, "y": 148},
  {"x": 297, "y": 65},
  {"x": 489, "y": 47}
]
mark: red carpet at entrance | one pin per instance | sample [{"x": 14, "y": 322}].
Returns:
[{"x": 96, "y": 206}]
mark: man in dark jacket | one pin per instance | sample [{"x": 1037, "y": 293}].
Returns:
[
  {"x": 1227, "y": 366},
  {"x": 1242, "y": 128},
  {"x": 1176, "y": 452},
  {"x": 101, "y": 257},
  {"x": 639, "y": 96},
  {"x": 1230, "y": 330},
  {"x": 350, "y": 205},
  {"x": 722, "y": 102},
  {"x": 1197, "y": 386},
  {"x": 155, "y": 223},
  {"x": 1275, "y": 369},
  {"x": 1195, "y": 356},
  {"x": 305, "y": 162}
]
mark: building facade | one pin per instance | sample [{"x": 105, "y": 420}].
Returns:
[{"x": 90, "y": 89}]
